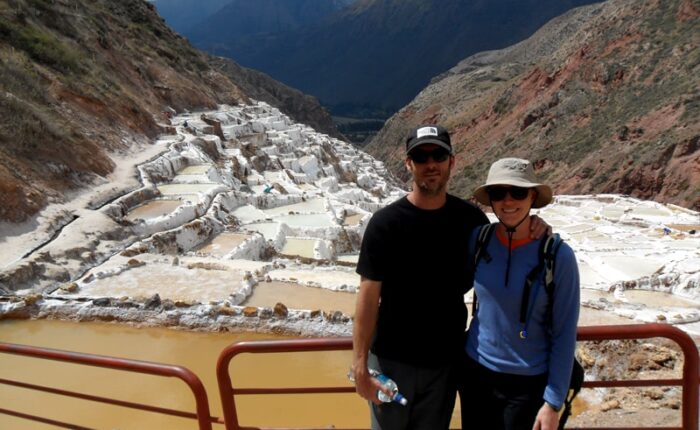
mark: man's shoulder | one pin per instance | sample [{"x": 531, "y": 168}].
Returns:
[{"x": 389, "y": 211}]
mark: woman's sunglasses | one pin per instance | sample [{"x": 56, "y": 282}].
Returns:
[
  {"x": 420, "y": 157},
  {"x": 496, "y": 194}
]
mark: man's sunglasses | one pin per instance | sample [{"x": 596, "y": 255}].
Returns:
[
  {"x": 438, "y": 155},
  {"x": 496, "y": 194}
]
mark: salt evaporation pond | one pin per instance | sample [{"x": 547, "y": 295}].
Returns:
[
  {"x": 307, "y": 220},
  {"x": 296, "y": 296},
  {"x": 348, "y": 258},
  {"x": 309, "y": 206},
  {"x": 299, "y": 246},
  {"x": 642, "y": 298},
  {"x": 335, "y": 278},
  {"x": 249, "y": 213},
  {"x": 153, "y": 209},
  {"x": 353, "y": 219},
  {"x": 190, "y": 281},
  {"x": 269, "y": 230},
  {"x": 197, "y": 169},
  {"x": 178, "y": 189},
  {"x": 222, "y": 244}
]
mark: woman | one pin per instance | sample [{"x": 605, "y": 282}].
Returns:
[{"x": 520, "y": 347}]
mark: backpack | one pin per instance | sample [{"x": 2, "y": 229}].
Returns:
[{"x": 548, "y": 251}]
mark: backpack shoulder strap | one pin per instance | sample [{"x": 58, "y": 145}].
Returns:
[
  {"x": 548, "y": 252},
  {"x": 482, "y": 241},
  {"x": 549, "y": 246}
]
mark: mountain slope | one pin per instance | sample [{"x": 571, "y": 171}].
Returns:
[
  {"x": 239, "y": 19},
  {"x": 183, "y": 14},
  {"x": 603, "y": 99},
  {"x": 377, "y": 54},
  {"x": 81, "y": 80}
]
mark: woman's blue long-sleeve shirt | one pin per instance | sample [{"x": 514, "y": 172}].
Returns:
[{"x": 494, "y": 340}]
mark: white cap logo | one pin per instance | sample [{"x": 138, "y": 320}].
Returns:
[{"x": 426, "y": 131}]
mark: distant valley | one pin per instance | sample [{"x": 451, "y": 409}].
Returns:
[{"x": 370, "y": 58}]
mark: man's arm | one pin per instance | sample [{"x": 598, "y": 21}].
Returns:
[
  {"x": 365, "y": 321},
  {"x": 539, "y": 227}
]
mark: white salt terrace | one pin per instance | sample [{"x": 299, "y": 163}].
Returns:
[
  {"x": 190, "y": 279},
  {"x": 618, "y": 240},
  {"x": 241, "y": 243}
]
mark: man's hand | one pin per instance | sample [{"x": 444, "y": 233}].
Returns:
[
  {"x": 547, "y": 418},
  {"x": 366, "y": 386},
  {"x": 538, "y": 227}
]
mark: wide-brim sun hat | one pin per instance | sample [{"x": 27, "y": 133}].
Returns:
[{"x": 518, "y": 173}]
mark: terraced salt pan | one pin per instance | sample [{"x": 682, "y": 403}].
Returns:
[
  {"x": 295, "y": 296},
  {"x": 199, "y": 169},
  {"x": 307, "y": 220},
  {"x": 182, "y": 282},
  {"x": 656, "y": 299},
  {"x": 631, "y": 267},
  {"x": 249, "y": 213},
  {"x": 222, "y": 244},
  {"x": 309, "y": 206},
  {"x": 334, "y": 278},
  {"x": 269, "y": 230},
  {"x": 353, "y": 219},
  {"x": 299, "y": 246},
  {"x": 275, "y": 176},
  {"x": 179, "y": 189},
  {"x": 153, "y": 209},
  {"x": 348, "y": 258}
]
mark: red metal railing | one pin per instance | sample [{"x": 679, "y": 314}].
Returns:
[
  {"x": 690, "y": 381},
  {"x": 193, "y": 382}
]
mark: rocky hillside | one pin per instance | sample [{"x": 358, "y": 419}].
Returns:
[
  {"x": 83, "y": 80},
  {"x": 604, "y": 99}
]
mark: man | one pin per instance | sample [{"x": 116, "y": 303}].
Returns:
[{"x": 415, "y": 268}]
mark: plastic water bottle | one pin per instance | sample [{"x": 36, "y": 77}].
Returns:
[{"x": 387, "y": 383}]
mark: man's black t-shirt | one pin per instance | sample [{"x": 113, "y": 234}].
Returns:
[{"x": 422, "y": 259}]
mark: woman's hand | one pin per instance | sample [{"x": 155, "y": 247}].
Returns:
[{"x": 547, "y": 418}]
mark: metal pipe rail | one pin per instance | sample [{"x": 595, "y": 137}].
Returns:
[
  {"x": 690, "y": 381},
  {"x": 202, "y": 414}
]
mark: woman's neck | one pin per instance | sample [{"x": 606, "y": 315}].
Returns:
[{"x": 522, "y": 231}]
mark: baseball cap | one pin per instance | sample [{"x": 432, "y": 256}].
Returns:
[{"x": 428, "y": 134}]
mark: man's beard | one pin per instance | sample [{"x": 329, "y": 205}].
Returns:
[{"x": 432, "y": 189}]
